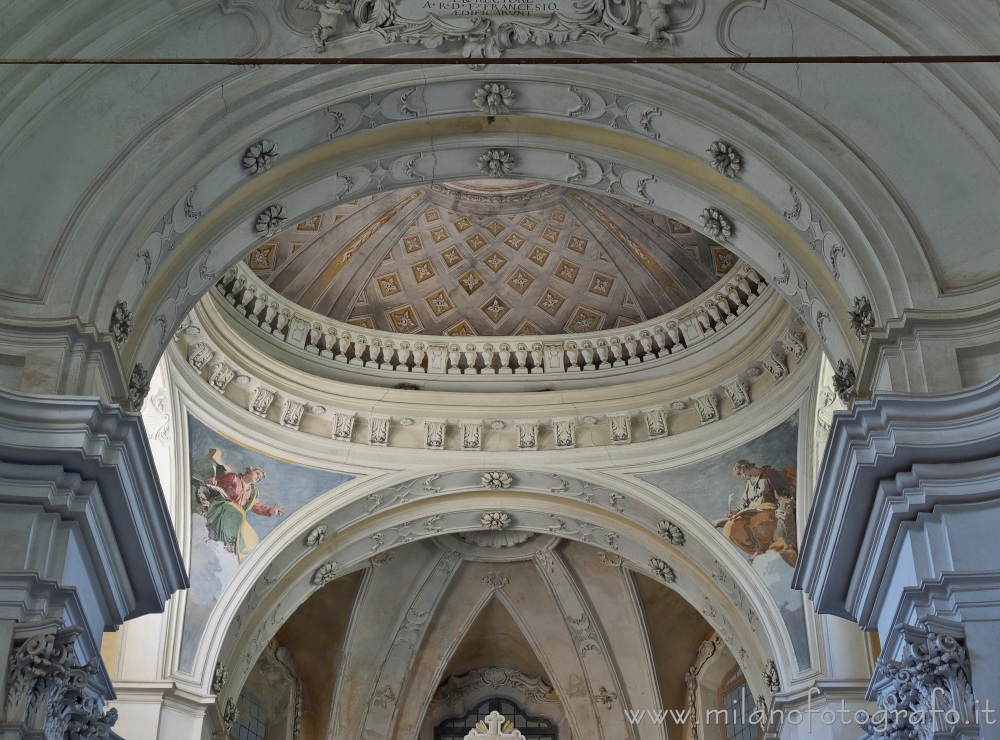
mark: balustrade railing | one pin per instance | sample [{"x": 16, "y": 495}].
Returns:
[{"x": 716, "y": 311}]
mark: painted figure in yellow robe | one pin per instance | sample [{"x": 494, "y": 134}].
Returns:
[{"x": 225, "y": 499}]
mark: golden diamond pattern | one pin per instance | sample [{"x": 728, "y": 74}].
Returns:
[
  {"x": 461, "y": 329},
  {"x": 423, "y": 271},
  {"x": 515, "y": 241},
  {"x": 584, "y": 319},
  {"x": 439, "y": 302},
  {"x": 529, "y": 223},
  {"x": 310, "y": 224},
  {"x": 520, "y": 281},
  {"x": 495, "y": 261},
  {"x": 462, "y": 224},
  {"x": 439, "y": 234},
  {"x": 262, "y": 258},
  {"x": 539, "y": 256},
  {"x": 577, "y": 244},
  {"x": 412, "y": 243},
  {"x": 558, "y": 216},
  {"x": 601, "y": 285},
  {"x": 404, "y": 320},
  {"x": 431, "y": 216},
  {"x": 676, "y": 227},
  {"x": 495, "y": 227},
  {"x": 567, "y": 271},
  {"x": 495, "y": 308},
  {"x": 550, "y": 234},
  {"x": 389, "y": 284},
  {"x": 452, "y": 257},
  {"x": 476, "y": 242},
  {"x": 470, "y": 282},
  {"x": 551, "y": 302},
  {"x": 526, "y": 328}
]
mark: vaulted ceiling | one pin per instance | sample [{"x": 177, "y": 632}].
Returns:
[
  {"x": 538, "y": 608},
  {"x": 487, "y": 259}
]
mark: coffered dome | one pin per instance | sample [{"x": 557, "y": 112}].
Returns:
[{"x": 490, "y": 258}]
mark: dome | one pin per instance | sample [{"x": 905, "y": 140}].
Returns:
[{"x": 489, "y": 258}]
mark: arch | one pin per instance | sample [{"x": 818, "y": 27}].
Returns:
[{"x": 446, "y": 512}]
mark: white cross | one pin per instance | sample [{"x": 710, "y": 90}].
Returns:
[{"x": 494, "y": 721}]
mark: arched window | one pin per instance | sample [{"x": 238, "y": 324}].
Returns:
[
  {"x": 253, "y": 719},
  {"x": 531, "y": 727},
  {"x": 737, "y": 701}
]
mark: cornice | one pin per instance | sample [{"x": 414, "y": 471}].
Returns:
[
  {"x": 102, "y": 443},
  {"x": 873, "y": 443},
  {"x": 635, "y": 409}
]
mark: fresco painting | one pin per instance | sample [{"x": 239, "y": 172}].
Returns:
[
  {"x": 749, "y": 494},
  {"x": 239, "y": 495}
]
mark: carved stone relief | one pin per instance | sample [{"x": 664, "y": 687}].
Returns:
[
  {"x": 724, "y": 158},
  {"x": 494, "y": 98},
  {"x": 527, "y": 435},
  {"x": 862, "y": 317},
  {"x": 716, "y": 224},
  {"x": 620, "y": 428},
  {"x": 708, "y": 407},
  {"x": 138, "y": 386},
  {"x": 260, "y": 156},
  {"x": 564, "y": 432},
  {"x": 493, "y": 30},
  {"x": 472, "y": 435},
  {"x": 270, "y": 221},
  {"x": 48, "y": 692},
  {"x": 434, "y": 431},
  {"x": 122, "y": 322},
  {"x": 378, "y": 431},
  {"x": 656, "y": 422},
  {"x": 844, "y": 381},
  {"x": 260, "y": 400},
  {"x": 343, "y": 426},
  {"x": 928, "y": 692}
]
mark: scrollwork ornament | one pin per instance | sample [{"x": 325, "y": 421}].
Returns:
[
  {"x": 862, "y": 317},
  {"x": 845, "y": 381},
  {"x": 496, "y": 163},
  {"x": 122, "y": 322},
  {"x": 716, "y": 224},
  {"x": 494, "y": 98},
  {"x": 270, "y": 221},
  {"x": 260, "y": 156},
  {"x": 724, "y": 158}
]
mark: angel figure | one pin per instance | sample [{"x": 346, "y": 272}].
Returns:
[
  {"x": 659, "y": 21},
  {"x": 225, "y": 498},
  {"x": 328, "y": 11}
]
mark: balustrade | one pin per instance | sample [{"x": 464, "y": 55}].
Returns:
[{"x": 717, "y": 310}]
